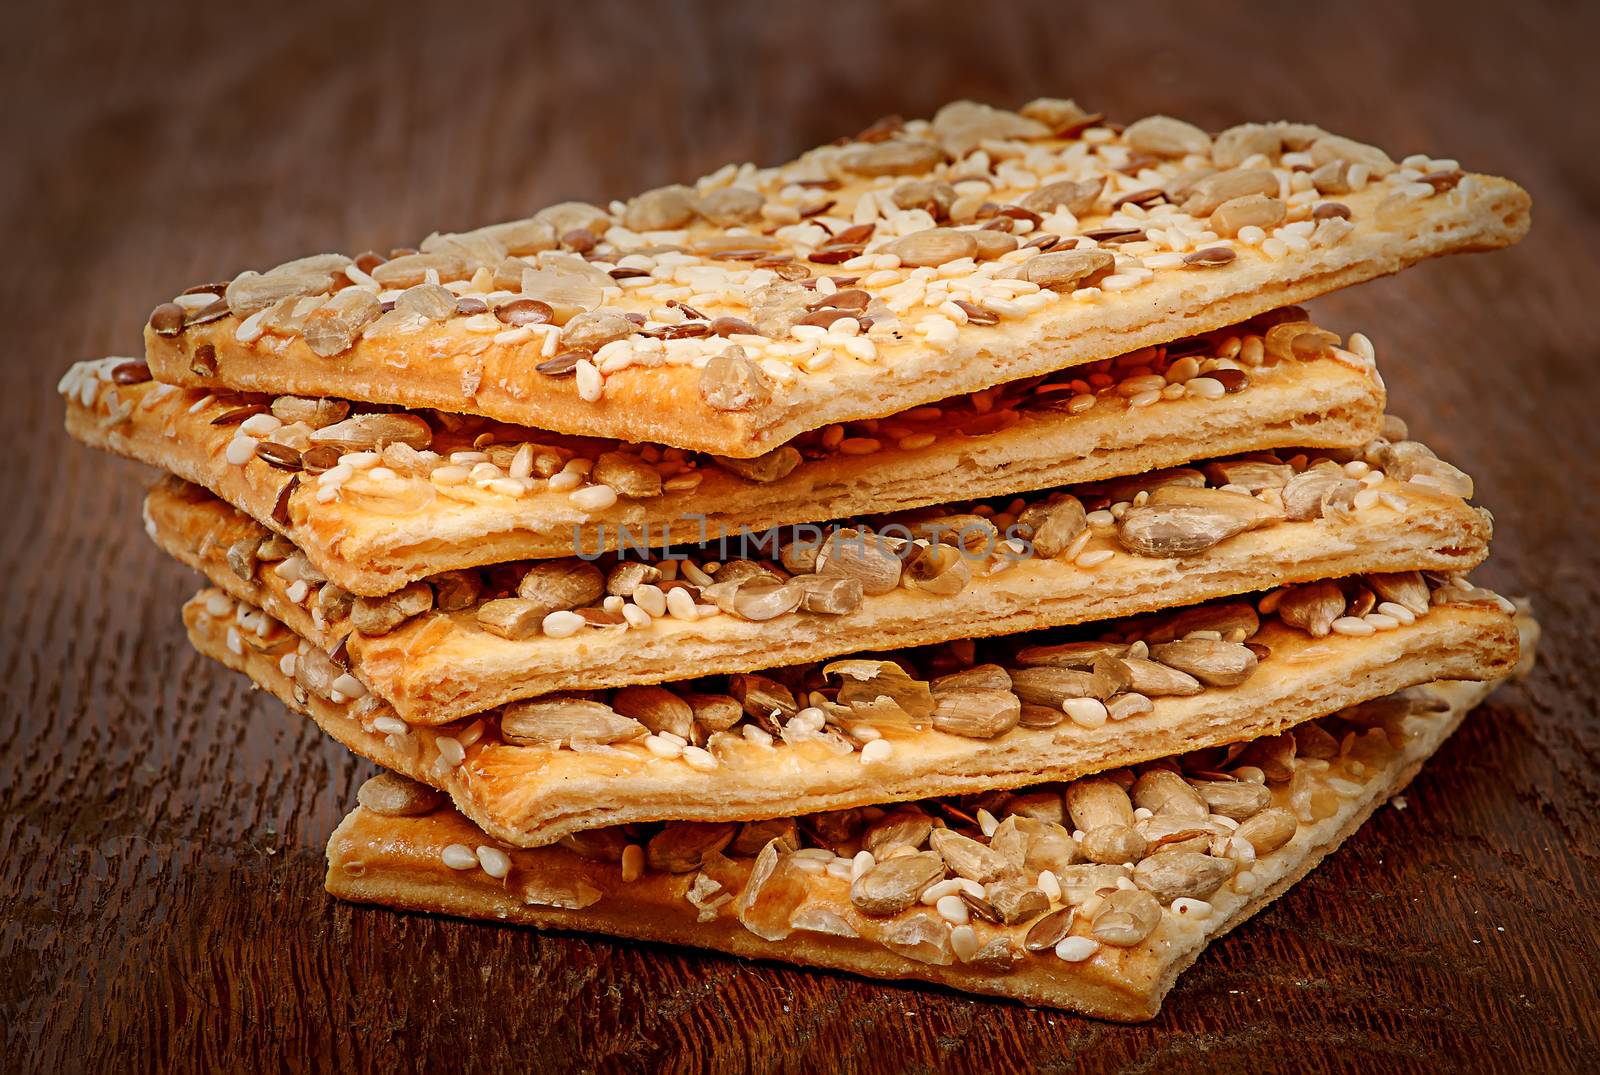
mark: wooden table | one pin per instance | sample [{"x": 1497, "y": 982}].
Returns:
[{"x": 162, "y": 826}]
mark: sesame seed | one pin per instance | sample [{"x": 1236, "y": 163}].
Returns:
[
  {"x": 877, "y": 750},
  {"x": 562, "y": 624},
  {"x": 1094, "y": 557},
  {"x": 1077, "y": 949},
  {"x": 1085, "y": 712},
  {"x": 1352, "y": 626},
  {"x": 662, "y": 747},
  {"x": 680, "y": 605},
  {"x": 952, "y": 909},
  {"x": 862, "y": 862},
  {"x": 939, "y": 890},
  {"x": 594, "y": 497},
  {"x": 450, "y": 749},
  {"x": 240, "y": 450},
  {"x": 1188, "y": 907},
  {"x": 460, "y": 857},
  {"x": 495, "y": 862},
  {"x": 632, "y": 863},
  {"x": 1049, "y": 885},
  {"x": 350, "y": 686}
]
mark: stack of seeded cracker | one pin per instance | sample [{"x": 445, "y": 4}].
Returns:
[{"x": 946, "y": 556}]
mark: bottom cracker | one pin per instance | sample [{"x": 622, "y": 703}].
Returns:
[{"x": 777, "y": 905}]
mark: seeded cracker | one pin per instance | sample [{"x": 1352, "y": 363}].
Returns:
[{"x": 864, "y": 278}]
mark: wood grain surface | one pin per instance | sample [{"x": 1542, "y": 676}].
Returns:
[{"x": 161, "y": 827}]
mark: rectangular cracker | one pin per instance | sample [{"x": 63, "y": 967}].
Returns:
[
  {"x": 441, "y": 665},
  {"x": 530, "y": 794},
  {"x": 803, "y": 912},
  {"x": 442, "y": 509},
  {"x": 1349, "y": 214}
]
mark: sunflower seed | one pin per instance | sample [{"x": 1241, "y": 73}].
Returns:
[
  {"x": 1050, "y": 686},
  {"x": 561, "y": 585},
  {"x": 1180, "y": 522},
  {"x": 1238, "y": 799},
  {"x": 1238, "y": 144},
  {"x": 1155, "y": 680},
  {"x": 968, "y": 858},
  {"x": 392, "y": 795},
  {"x": 629, "y": 475},
  {"x": 1127, "y": 917},
  {"x": 683, "y": 846},
  {"x": 1053, "y": 526},
  {"x": 894, "y": 157},
  {"x": 762, "y": 697},
  {"x": 316, "y": 413},
  {"x": 1405, "y": 588},
  {"x": 1210, "y": 192},
  {"x": 933, "y": 247},
  {"x": 863, "y": 556},
  {"x": 938, "y": 569},
  {"x": 894, "y": 885},
  {"x": 241, "y": 557},
  {"x": 1169, "y": 875},
  {"x": 374, "y": 432},
  {"x": 1249, "y": 211},
  {"x": 1214, "y": 663},
  {"x": 904, "y": 827},
  {"x": 1163, "y": 136},
  {"x": 1097, "y": 801},
  {"x": 1080, "y": 655},
  {"x": 976, "y": 714},
  {"x": 1312, "y": 607},
  {"x": 715, "y": 712},
  {"x": 1067, "y": 270},
  {"x": 1166, "y": 794},
  {"x": 1077, "y": 197},
  {"x": 511, "y": 618},
  {"x": 374, "y": 616},
  {"x": 731, "y": 382},
  {"x": 1268, "y": 830},
  {"x": 770, "y": 467},
  {"x": 554, "y": 721},
  {"x": 455, "y": 591},
  {"x": 250, "y": 292},
  {"x": 1111, "y": 844},
  {"x": 755, "y": 599}
]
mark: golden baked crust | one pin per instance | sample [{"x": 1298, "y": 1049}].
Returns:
[
  {"x": 443, "y": 666},
  {"x": 645, "y": 382},
  {"x": 426, "y": 515},
  {"x": 399, "y": 861},
  {"x": 531, "y": 795}
]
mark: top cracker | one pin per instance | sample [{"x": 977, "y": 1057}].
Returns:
[{"x": 915, "y": 262}]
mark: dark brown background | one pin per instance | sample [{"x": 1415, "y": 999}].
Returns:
[{"x": 162, "y": 831}]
